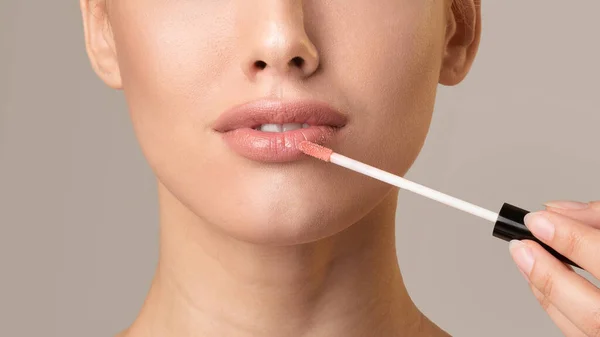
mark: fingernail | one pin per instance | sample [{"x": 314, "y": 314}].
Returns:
[
  {"x": 540, "y": 226},
  {"x": 522, "y": 255},
  {"x": 567, "y": 205}
]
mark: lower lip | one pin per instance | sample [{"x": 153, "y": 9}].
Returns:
[{"x": 275, "y": 147}]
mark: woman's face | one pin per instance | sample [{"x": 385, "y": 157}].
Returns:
[{"x": 361, "y": 74}]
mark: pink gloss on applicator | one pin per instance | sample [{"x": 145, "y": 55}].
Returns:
[
  {"x": 315, "y": 150},
  {"x": 509, "y": 223}
]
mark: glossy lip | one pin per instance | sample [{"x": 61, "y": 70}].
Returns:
[{"x": 237, "y": 127}]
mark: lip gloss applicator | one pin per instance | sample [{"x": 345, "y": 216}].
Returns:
[{"x": 508, "y": 223}]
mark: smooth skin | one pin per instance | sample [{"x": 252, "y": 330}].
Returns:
[
  {"x": 572, "y": 229},
  {"x": 303, "y": 248},
  {"x": 294, "y": 249}
]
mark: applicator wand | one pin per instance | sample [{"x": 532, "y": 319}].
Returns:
[{"x": 508, "y": 223}]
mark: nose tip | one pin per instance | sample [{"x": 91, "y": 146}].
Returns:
[{"x": 290, "y": 57}]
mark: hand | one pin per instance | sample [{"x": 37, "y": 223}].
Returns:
[{"x": 573, "y": 230}]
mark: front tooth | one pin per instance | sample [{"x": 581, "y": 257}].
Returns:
[
  {"x": 291, "y": 127},
  {"x": 305, "y": 126},
  {"x": 271, "y": 128}
]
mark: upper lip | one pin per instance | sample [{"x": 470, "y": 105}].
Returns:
[{"x": 254, "y": 114}]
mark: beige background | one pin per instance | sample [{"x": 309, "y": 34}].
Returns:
[{"x": 75, "y": 190}]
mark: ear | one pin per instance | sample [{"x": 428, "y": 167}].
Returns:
[
  {"x": 463, "y": 33},
  {"x": 99, "y": 42}
]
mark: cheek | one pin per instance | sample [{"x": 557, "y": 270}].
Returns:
[
  {"x": 388, "y": 66},
  {"x": 172, "y": 57},
  {"x": 163, "y": 52}
]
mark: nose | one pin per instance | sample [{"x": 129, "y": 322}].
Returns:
[{"x": 275, "y": 41}]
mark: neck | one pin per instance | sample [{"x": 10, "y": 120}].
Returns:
[{"x": 209, "y": 284}]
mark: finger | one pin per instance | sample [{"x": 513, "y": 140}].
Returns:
[
  {"x": 563, "y": 323},
  {"x": 572, "y": 295},
  {"x": 588, "y": 213},
  {"x": 572, "y": 239}
]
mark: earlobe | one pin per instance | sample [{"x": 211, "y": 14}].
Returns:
[
  {"x": 99, "y": 42},
  {"x": 463, "y": 34}
]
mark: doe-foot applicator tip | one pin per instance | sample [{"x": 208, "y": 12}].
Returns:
[{"x": 315, "y": 150}]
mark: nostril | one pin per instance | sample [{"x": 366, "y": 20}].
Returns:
[
  {"x": 297, "y": 62},
  {"x": 260, "y": 65}
]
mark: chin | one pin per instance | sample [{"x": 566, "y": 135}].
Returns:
[
  {"x": 277, "y": 218},
  {"x": 277, "y": 230},
  {"x": 283, "y": 207}
]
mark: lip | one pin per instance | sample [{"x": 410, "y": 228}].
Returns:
[{"x": 237, "y": 127}]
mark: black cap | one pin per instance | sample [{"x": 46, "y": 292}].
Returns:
[{"x": 511, "y": 226}]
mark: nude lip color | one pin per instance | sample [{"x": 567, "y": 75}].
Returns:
[{"x": 239, "y": 128}]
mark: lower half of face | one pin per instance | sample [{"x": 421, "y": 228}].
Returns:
[{"x": 185, "y": 63}]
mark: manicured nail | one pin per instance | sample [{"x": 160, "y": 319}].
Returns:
[
  {"x": 567, "y": 205},
  {"x": 522, "y": 255},
  {"x": 540, "y": 226}
]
